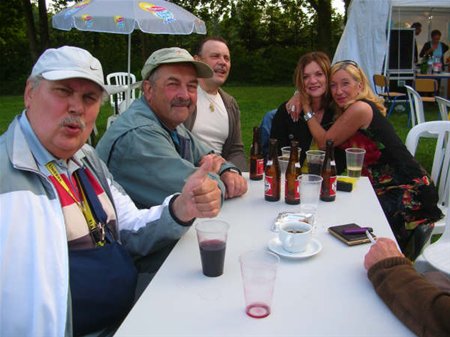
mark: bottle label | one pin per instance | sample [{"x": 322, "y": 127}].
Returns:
[
  {"x": 260, "y": 167},
  {"x": 268, "y": 183},
  {"x": 333, "y": 186},
  {"x": 296, "y": 189},
  {"x": 269, "y": 162}
]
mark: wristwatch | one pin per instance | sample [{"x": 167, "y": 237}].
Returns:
[
  {"x": 308, "y": 115},
  {"x": 231, "y": 169}
]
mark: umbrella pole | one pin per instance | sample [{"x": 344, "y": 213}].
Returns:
[{"x": 128, "y": 92}]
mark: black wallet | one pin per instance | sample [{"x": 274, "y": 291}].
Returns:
[{"x": 349, "y": 239}]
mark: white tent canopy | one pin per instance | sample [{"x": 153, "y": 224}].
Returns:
[{"x": 364, "y": 39}]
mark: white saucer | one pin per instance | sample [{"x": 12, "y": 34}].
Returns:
[{"x": 312, "y": 249}]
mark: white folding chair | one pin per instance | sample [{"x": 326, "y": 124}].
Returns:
[
  {"x": 444, "y": 107},
  {"x": 440, "y": 172}
]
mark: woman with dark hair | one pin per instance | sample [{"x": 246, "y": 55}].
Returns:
[
  {"x": 434, "y": 48},
  {"x": 311, "y": 80}
]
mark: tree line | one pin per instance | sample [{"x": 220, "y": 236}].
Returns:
[{"x": 266, "y": 37}]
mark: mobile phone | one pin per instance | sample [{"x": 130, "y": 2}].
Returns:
[{"x": 349, "y": 239}]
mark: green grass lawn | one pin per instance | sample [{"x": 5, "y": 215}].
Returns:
[{"x": 254, "y": 102}]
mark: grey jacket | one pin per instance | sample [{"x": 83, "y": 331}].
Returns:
[
  {"x": 233, "y": 148},
  {"x": 143, "y": 157}
]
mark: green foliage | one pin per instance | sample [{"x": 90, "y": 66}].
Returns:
[
  {"x": 14, "y": 47},
  {"x": 266, "y": 38}
]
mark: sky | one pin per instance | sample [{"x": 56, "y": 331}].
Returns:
[{"x": 339, "y": 5}]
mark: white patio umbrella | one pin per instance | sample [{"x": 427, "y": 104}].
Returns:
[{"x": 124, "y": 16}]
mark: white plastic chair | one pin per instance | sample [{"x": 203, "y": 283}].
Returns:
[
  {"x": 444, "y": 107},
  {"x": 436, "y": 255},
  {"x": 416, "y": 106},
  {"x": 118, "y": 100},
  {"x": 440, "y": 172},
  {"x": 120, "y": 78}
]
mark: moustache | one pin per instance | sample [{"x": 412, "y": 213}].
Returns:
[
  {"x": 73, "y": 121},
  {"x": 179, "y": 102},
  {"x": 220, "y": 68}
]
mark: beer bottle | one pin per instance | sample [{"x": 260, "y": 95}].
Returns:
[
  {"x": 329, "y": 183},
  {"x": 272, "y": 173},
  {"x": 256, "y": 157},
  {"x": 291, "y": 192}
]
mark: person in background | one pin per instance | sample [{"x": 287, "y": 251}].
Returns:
[
  {"x": 290, "y": 121},
  {"x": 68, "y": 228},
  {"x": 149, "y": 149},
  {"x": 434, "y": 48},
  {"x": 418, "y": 29},
  {"x": 405, "y": 191},
  {"x": 217, "y": 119},
  {"x": 420, "y": 301}
]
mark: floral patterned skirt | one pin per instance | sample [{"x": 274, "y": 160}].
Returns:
[{"x": 409, "y": 201}]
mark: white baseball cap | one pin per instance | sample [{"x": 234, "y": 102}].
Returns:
[{"x": 69, "y": 62}]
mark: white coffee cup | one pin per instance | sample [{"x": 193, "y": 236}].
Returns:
[{"x": 295, "y": 236}]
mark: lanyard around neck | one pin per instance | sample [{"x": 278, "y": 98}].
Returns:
[{"x": 93, "y": 226}]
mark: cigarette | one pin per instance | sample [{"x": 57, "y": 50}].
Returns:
[{"x": 370, "y": 237}]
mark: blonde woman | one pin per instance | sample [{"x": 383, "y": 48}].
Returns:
[{"x": 404, "y": 189}]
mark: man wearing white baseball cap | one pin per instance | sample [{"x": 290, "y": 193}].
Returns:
[
  {"x": 151, "y": 134},
  {"x": 68, "y": 228}
]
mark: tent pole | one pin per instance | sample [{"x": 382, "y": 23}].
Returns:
[{"x": 386, "y": 57}]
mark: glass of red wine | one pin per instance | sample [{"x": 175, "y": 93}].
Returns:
[{"x": 212, "y": 241}]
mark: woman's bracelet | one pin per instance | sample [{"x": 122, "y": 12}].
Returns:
[{"x": 308, "y": 115}]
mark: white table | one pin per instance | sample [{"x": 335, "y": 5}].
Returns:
[{"x": 325, "y": 295}]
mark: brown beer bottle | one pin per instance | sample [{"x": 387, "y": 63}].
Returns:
[
  {"x": 272, "y": 173},
  {"x": 328, "y": 190},
  {"x": 256, "y": 157},
  {"x": 291, "y": 192}
]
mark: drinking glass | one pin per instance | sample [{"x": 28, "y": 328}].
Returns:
[
  {"x": 310, "y": 185},
  {"x": 355, "y": 160},
  {"x": 314, "y": 159},
  {"x": 286, "y": 152},
  {"x": 212, "y": 240},
  {"x": 258, "y": 269}
]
